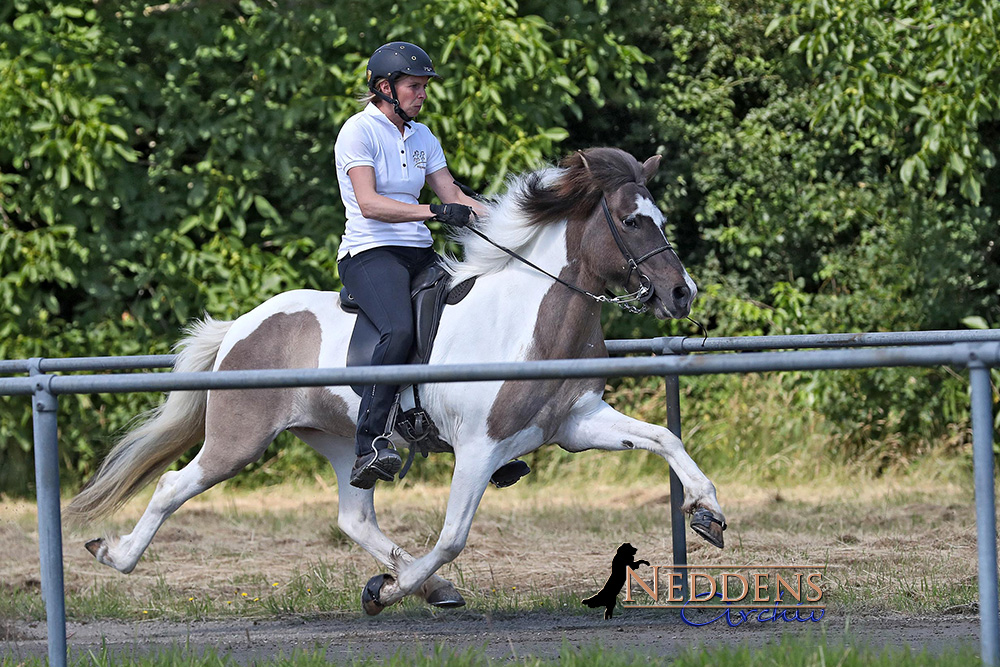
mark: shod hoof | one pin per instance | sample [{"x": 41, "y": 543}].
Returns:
[
  {"x": 370, "y": 601},
  {"x": 705, "y": 524},
  {"x": 445, "y": 597}
]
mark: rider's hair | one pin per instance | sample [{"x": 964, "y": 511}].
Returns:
[{"x": 365, "y": 97}]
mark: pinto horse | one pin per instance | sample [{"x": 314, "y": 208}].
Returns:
[{"x": 577, "y": 228}]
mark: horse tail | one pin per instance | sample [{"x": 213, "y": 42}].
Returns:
[{"x": 163, "y": 434}]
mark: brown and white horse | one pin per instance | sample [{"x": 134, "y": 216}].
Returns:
[{"x": 590, "y": 221}]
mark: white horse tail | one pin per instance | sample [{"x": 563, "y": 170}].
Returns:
[{"x": 165, "y": 432}]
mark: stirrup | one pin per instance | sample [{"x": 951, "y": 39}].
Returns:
[
  {"x": 388, "y": 443},
  {"x": 379, "y": 464}
]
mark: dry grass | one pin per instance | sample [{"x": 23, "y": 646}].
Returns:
[{"x": 900, "y": 543}]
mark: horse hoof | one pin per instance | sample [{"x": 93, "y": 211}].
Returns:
[
  {"x": 370, "y": 601},
  {"x": 94, "y": 546},
  {"x": 445, "y": 597},
  {"x": 705, "y": 524}
]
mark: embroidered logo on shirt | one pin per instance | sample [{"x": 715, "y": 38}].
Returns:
[{"x": 420, "y": 159}]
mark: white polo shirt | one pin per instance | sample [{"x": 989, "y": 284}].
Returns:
[{"x": 401, "y": 164}]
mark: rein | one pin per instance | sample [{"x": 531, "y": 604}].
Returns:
[{"x": 641, "y": 295}]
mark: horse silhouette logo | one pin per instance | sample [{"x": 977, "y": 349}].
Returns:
[{"x": 607, "y": 597}]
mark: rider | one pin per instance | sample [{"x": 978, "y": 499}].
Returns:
[{"x": 384, "y": 158}]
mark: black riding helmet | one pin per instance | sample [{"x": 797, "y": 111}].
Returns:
[{"x": 393, "y": 60}]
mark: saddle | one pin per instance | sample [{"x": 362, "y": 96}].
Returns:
[{"x": 429, "y": 294}]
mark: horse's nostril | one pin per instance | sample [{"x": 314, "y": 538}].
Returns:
[{"x": 681, "y": 293}]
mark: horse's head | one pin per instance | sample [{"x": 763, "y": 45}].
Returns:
[{"x": 620, "y": 228}]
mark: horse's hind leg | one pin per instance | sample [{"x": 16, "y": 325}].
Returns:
[
  {"x": 356, "y": 517},
  {"x": 228, "y": 449}
]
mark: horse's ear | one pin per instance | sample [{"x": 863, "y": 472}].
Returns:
[{"x": 650, "y": 166}]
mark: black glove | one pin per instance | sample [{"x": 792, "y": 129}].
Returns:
[{"x": 457, "y": 215}]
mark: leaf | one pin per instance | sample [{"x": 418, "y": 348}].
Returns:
[
  {"x": 975, "y": 322},
  {"x": 941, "y": 188},
  {"x": 971, "y": 188},
  {"x": 956, "y": 163},
  {"x": 265, "y": 209},
  {"x": 188, "y": 224},
  {"x": 118, "y": 132},
  {"x": 906, "y": 172},
  {"x": 24, "y": 22}
]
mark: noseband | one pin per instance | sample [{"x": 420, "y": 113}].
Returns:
[{"x": 642, "y": 295}]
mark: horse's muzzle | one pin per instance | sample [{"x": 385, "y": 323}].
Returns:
[{"x": 675, "y": 305}]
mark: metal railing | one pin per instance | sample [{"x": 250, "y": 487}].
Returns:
[{"x": 976, "y": 350}]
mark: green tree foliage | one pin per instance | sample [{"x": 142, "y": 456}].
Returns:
[
  {"x": 795, "y": 220},
  {"x": 161, "y": 161},
  {"x": 922, "y": 77},
  {"x": 824, "y": 171}
]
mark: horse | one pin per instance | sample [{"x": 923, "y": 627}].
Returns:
[{"x": 543, "y": 256}]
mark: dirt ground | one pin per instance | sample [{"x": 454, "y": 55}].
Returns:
[
  {"x": 900, "y": 557},
  {"x": 532, "y": 634}
]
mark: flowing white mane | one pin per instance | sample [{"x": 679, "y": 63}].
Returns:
[{"x": 506, "y": 223}]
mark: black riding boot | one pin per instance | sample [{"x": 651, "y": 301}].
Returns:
[{"x": 381, "y": 462}]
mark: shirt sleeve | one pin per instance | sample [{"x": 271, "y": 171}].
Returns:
[
  {"x": 354, "y": 148},
  {"x": 435, "y": 154}
]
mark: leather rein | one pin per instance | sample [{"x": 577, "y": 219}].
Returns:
[{"x": 640, "y": 296}]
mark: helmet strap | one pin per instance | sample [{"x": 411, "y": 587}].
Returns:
[{"x": 394, "y": 100}]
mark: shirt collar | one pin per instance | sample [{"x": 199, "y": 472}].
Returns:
[{"x": 373, "y": 110}]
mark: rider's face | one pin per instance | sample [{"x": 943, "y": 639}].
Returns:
[{"x": 411, "y": 91}]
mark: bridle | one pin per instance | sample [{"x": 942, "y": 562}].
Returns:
[
  {"x": 625, "y": 301},
  {"x": 646, "y": 289}
]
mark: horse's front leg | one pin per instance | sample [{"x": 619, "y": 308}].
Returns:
[
  {"x": 593, "y": 424},
  {"x": 473, "y": 467}
]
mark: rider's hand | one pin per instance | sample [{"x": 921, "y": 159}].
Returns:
[{"x": 457, "y": 215}]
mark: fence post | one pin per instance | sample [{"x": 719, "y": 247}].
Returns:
[
  {"x": 672, "y": 384},
  {"x": 44, "y": 409},
  {"x": 986, "y": 517},
  {"x": 677, "y": 523}
]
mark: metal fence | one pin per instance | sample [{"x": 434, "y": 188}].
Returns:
[{"x": 976, "y": 350}]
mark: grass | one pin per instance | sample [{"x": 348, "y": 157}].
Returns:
[
  {"x": 802, "y": 651},
  {"x": 895, "y": 544},
  {"x": 321, "y": 590},
  {"x": 900, "y": 542}
]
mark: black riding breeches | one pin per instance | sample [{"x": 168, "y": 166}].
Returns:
[{"x": 379, "y": 280}]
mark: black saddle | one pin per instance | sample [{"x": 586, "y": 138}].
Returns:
[{"x": 429, "y": 293}]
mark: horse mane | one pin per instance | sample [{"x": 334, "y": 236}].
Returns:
[{"x": 569, "y": 192}]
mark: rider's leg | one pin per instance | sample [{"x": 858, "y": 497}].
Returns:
[{"x": 379, "y": 280}]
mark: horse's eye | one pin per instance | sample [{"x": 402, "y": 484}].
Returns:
[{"x": 630, "y": 221}]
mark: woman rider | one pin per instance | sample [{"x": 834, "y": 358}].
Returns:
[{"x": 384, "y": 158}]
